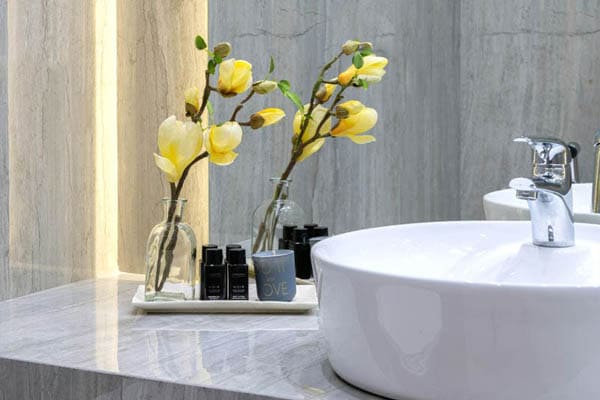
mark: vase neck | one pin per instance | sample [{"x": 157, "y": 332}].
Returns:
[
  {"x": 173, "y": 209},
  {"x": 282, "y": 188}
]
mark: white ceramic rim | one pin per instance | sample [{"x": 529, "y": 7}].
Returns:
[{"x": 452, "y": 283}]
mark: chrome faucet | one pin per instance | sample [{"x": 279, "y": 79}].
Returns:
[
  {"x": 596, "y": 182},
  {"x": 548, "y": 192}
]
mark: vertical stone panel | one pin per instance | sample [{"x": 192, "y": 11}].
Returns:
[
  {"x": 51, "y": 125},
  {"x": 409, "y": 174},
  {"x": 527, "y": 68},
  {"x": 4, "y": 222},
  {"x": 157, "y": 61}
]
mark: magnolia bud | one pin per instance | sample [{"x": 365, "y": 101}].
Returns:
[
  {"x": 222, "y": 49},
  {"x": 325, "y": 92},
  {"x": 341, "y": 112},
  {"x": 256, "y": 121},
  {"x": 350, "y": 47},
  {"x": 264, "y": 86},
  {"x": 366, "y": 46}
]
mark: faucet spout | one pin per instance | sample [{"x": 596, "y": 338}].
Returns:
[
  {"x": 548, "y": 193},
  {"x": 552, "y": 221}
]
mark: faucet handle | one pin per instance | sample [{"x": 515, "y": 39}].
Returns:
[{"x": 547, "y": 150}]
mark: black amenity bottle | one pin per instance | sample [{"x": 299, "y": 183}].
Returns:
[
  {"x": 215, "y": 275},
  {"x": 237, "y": 271},
  {"x": 202, "y": 280}
]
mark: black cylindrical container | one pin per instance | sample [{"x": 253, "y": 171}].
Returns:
[
  {"x": 237, "y": 272},
  {"x": 202, "y": 281},
  {"x": 215, "y": 275}
]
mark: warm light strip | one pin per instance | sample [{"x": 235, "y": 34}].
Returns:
[
  {"x": 106, "y": 183},
  {"x": 106, "y": 174}
]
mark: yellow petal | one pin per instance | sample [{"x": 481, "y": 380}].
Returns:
[
  {"x": 357, "y": 123},
  {"x": 188, "y": 146},
  {"x": 192, "y": 96},
  {"x": 235, "y": 77},
  {"x": 361, "y": 139},
  {"x": 224, "y": 138},
  {"x": 346, "y": 77},
  {"x": 352, "y": 106},
  {"x": 372, "y": 69},
  {"x": 271, "y": 115},
  {"x": 167, "y": 167},
  {"x": 311, "y": 149},
  {"x": 319, "y": 112},
  {"x": 223, "y": 158},
  {"x": 242, "y": 76},
  {"x": 168, "y": 131}
]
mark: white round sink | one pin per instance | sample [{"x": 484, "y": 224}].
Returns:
[
  {"x": 462, "y": 310},
  {"x": 503, "y": 205}
]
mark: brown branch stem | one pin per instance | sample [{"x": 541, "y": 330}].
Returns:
[{"x": 241, "y": 105}]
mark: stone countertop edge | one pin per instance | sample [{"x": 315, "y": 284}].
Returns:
[{"x": 86, "y": 340}]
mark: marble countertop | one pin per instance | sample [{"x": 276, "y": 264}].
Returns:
[{"x": 92, "y": 326}]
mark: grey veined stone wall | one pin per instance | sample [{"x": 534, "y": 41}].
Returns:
[
  {"x": 409, "y": 174},
  {"x": 526, "y": 67},
  {"x": 464, "y": 78}
]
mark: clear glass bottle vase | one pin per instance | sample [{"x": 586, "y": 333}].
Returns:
[
  {"x": 270, "y": 217},
  {"x": 171, "y": 257}
]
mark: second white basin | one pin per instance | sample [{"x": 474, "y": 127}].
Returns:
[
  {"x": 462, "y": 310},
  {"x": 503, "y": 205}
]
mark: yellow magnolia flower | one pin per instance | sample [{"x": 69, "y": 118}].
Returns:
[
  {"x": 359, "y": 120},
  {"x": 266, "y": 117},
  {"x": 235, "y": 77},
  {"x": 178, "y": 143},
  {"x": 318, "y": 114},
  {"x": 192, "y": 99},
  {"x": 325, "y": 92},
  {"x": 371, "y": 71},
  {"x": 222, "y": 140}
]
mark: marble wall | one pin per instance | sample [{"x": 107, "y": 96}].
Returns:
[
  {"x": 526, "y": 67},
  {"x": 51, "y": 125},
  {"x": 157, "y": 61},
  {"x": 4, "y": 222},
  {"x": 409, "y": 174}
]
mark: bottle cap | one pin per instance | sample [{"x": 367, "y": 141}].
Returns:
[
  {"x": 288, "y": 232},
  {"x": 206, "y": 247},
  {"x": 321, "y": 231},
  {"x": 311, "y": 229},
  {"x": 237, "y": 256},
  {"x": 213, "y": 257},
  {"x": 300, "y": 235},
  {"x": 228, "y": 249}
]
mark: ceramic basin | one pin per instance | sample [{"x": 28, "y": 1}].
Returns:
[
  {"x": 503, "y": 205},
  {"x": 462, "y": 310}
]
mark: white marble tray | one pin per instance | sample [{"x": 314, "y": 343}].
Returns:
[{"x": 305, "y": 300}]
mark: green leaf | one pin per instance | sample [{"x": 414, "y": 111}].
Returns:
[
  {"x": 366, "y": 52},
  {"x": 357, "y": 60},
  {"x": 218, "y": 60},
  {"x": 362, "y": 83},
  {"x": 295, "y": 99},
  {"x": 211, "y": 66},
  {"x": 284, "y": 86},
  {"x": 200, "y": 43},
  {"x": 271, "y": 65}
]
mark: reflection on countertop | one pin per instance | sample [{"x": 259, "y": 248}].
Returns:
[{"x": 91, "y": 326}]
